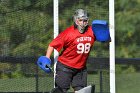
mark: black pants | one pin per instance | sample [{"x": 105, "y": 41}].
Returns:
[{"x": 67, "y": 76}]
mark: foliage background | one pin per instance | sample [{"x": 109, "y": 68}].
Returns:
[{"x": 26, "y": 26}]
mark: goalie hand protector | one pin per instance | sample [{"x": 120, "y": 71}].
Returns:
[
  {"x": 101, "y": 30},
  {"x": 44, "y": 63}
]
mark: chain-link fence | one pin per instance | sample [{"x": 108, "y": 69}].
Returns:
[
  {"x": 26, "y": 28},
  {"x": 21, "y": 74}
]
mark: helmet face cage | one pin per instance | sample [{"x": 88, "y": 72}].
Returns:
[{"x": 80, "y": 14}]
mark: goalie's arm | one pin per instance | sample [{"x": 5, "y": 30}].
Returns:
[
  {"x": 44, "y": 62},
  {"x": 49, "y": 51}
]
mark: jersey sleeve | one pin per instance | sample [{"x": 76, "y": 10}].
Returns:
[{"x": 58, "y": 42}]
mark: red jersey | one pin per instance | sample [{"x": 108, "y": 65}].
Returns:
[{"x": 76, "y": 46}]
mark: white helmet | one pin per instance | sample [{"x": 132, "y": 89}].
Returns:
[{"x": 81, "y": 14}]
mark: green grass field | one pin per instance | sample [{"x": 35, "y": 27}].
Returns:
[
  {"x": 125, "y": 83},
  {"x": 44, "y": 84},
  {"x": 128, "y": 83},
  {"x": 15, "y": 85},
  {"x": 25, "y": 84}
]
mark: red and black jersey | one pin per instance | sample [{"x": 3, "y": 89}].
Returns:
[{"x": 75, "y": 46}]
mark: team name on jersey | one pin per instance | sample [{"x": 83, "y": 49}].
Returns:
[{"x": 80, "y": 39}]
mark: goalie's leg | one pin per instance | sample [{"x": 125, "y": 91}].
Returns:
[
  {"x": 79, "y": 79},
  {"x": 63, "y": 77}
]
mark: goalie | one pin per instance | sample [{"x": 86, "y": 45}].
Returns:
[{"x": 75, "y": 43}]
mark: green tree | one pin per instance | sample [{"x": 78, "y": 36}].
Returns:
[
  {"x": 26, "y": 26},
  {"x": 127, "y": 28}
]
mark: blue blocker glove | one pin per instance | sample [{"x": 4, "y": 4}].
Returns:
[
  {"x": 101, "y": 30},
  {"x": 44, "y": 63}
]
